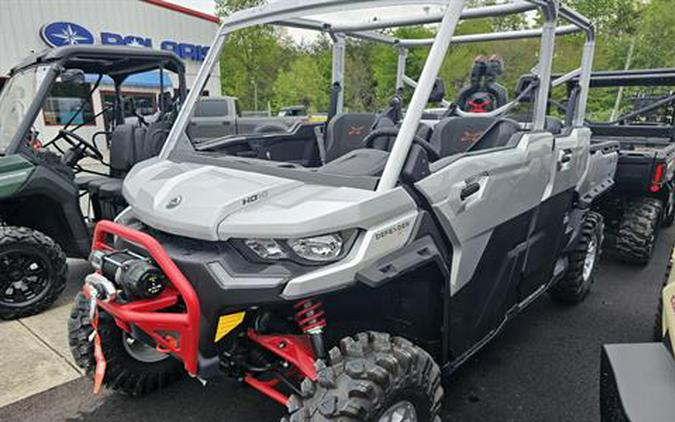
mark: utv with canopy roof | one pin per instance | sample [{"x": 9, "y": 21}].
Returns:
[
  {"x": 642, "y": 199},
  {"x": 345, "y": 291},
  {"x": 46, "y": 173}
]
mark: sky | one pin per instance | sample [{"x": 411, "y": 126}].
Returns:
[
  {"x": 206, "y": 6},
  {"x": 302, "y": 36},
  {"x": 209, "y": 6}
]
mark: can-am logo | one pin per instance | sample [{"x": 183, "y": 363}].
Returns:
[{"x": 58, "y": 34}]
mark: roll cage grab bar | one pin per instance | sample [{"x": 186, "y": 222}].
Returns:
[{"x": 289, "y": 14}]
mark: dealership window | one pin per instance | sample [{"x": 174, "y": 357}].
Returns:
[{"x": 69, "y": 103}]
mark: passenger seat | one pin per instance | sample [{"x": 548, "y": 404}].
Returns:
[
  {"x": 456, "y": 135},
  {"x": 345, "y": 133}
]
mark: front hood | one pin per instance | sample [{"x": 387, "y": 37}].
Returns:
[{"x": 216, "y": 203}]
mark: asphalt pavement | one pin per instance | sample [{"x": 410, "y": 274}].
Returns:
[{"x": 543, "y": 367}]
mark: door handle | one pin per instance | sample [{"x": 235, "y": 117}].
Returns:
[
  {"x": 565, "y": 159},
  {"x": 566, "y": 156},
  {"x": 469, "y": 190}
]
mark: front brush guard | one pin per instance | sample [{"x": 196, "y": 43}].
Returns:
[{"x": 162, "y": 327}]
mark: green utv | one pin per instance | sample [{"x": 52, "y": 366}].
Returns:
[{"x": 57, "y": 159}]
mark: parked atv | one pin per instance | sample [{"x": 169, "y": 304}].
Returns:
[
  {"x": 642, "y": 199},
  {"x": 637, "y": 381},
  {"x": 42, "y": 177},
  {"x": 344, "y": 292}
]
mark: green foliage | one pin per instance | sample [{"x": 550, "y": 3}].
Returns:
[
  {"x": 227, "y": 7},
  {"x": 302, "y": 83},
  {"x": 268, "y": 61},
  {"x": 656, "y": 38}
]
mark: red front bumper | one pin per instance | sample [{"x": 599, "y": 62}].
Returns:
[{"x": 175, "y": 332}]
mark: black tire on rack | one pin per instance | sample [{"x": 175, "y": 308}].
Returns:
[
  {"x": 32, "y": 272},
  {"x": 371, "y": 377},
  {"x": 574, "y": 286},
  {"x": 132, "y": 367},
  {"x": 638, "y": 230}
]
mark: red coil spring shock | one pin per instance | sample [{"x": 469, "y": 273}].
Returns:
[{"x": 311, "y": 318}]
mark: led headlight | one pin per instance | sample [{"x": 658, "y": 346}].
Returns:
[
  {"x": 314, "y": 249},
  {"x": 318, "y": 248},
  {"x": 266, "y": 248}
]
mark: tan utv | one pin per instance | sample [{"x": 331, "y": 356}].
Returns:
[{"x": 637, "y": 381}]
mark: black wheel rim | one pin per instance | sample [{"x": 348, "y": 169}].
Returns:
[{"x": 25, "y": 277}]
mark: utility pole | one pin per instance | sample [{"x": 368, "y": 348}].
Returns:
[
  {"x": 255, "y": 94},
  {"x": 619, "y": 96}
]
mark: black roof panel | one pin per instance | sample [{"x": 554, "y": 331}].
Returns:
[
  {"x": 638, "y": 77},
  {"x": 115, "y": 61}
]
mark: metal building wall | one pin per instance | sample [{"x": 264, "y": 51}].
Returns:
[{"x": 21, "y": 21}]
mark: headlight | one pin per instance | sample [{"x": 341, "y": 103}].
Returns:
[
  {"x": 266, "y": 248},
  {"x": 314, "y": 249},
  {"x": 319, "y": 248}
]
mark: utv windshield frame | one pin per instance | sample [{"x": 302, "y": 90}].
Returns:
[
  {"x": 290, "y": 14},
  {"x": 116, "y": 62}
]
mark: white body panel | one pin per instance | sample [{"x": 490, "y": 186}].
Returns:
[
  {"x": 512, "y": 182},
  {"x": 217, "y": 203}
]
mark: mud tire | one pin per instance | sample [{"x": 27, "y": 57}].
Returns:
[
  {"x": 577, "y": 282},
  {"x": 124, "y": 373},
  {"x": 366, "y": 375},
  {"x": 43, "y": 249},
  {"x": 637, "y": 232}
]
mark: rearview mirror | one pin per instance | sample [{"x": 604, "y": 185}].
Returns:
[
  {"x": 73, "y": 76},
  {"x": 438, "y": 91}
]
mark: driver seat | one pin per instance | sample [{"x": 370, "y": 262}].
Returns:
[{"x": 106, "y": 191}]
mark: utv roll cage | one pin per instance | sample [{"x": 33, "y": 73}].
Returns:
[
  {"x": 116, "y": 62},
  {"x": 630, "y": 78},
  {"x": 638, "y": 77},
  {"x": 288, "y": 14}
]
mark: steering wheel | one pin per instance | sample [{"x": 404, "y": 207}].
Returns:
[
  {"x": 369, "y": 140},
  {"x": 76, "y": 141}
]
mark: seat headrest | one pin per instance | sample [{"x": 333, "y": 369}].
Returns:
[
  {"x": 523, "y": 83},
  {"x": 345, "y": 133},
  {"x": 455, "y": 135},
  {"x": 553, "y": 124}
]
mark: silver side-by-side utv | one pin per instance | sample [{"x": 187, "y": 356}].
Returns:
[{"x": 345, "y": 290}]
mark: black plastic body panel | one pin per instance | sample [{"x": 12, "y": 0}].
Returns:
[
  {"x": 49, "y": 202},
  {"x": 224, "y": 280},
  {"x": 637, "y": 383},
  {"x": 298, "y": 146},
  {"x": 638, "y": 158}
]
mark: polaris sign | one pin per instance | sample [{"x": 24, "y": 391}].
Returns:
[{"x": 58, "y": 34}]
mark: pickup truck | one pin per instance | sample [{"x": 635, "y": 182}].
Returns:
[
  {"x": 217, "y": 117},
  {"x": 642, "y": 199}
]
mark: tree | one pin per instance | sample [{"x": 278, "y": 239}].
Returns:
[
  {"x": 655, "y": 41},
  {"x": 251, "y": 58},
  {"x": 384, "y": 63},
  {"x": 302, "y": 83},
  {"x": 225, "y": 8}
]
